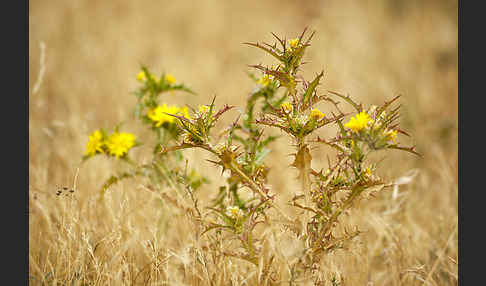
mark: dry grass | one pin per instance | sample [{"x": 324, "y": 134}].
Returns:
[{"x": 371, "y": 50}]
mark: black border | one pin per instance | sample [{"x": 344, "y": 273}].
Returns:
[{"x": 460, "y": 159}]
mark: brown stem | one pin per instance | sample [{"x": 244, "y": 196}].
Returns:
[
  {"x": 304, "y": 167},
  {"x": 235, "y": 168},
  {"x": 343, "y": 207}
]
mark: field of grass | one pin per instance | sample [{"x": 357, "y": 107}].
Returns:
[{"x": 83, "y": 59}]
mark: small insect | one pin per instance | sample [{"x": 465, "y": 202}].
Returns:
[{"x": 64, "y": 190}]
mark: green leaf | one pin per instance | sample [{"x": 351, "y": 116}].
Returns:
[
  {"x": 341, "y": 128},
  {"x": 348, "y": 99},
  {"x": 260, "y": 155},
  {"x": 267, "y": 141},
  {"x": 311, "y": 88}
]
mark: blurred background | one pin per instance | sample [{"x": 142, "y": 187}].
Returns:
[{"x": 84, "y": 56}]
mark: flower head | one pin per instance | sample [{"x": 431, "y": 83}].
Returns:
[
  {"x": 316, "y": 114},
  {"x": 170, "y": 79},
  {"x": 141, "y": 76},
  {"x": 294, "y": 43},
  {"x": 95, "y": 143},
  {"x": 359, "y": 122},
  {"x": 160, "y": 114},
  {"x": 367, "y": 173},
  {"x": 234, "y": 212},
  {"x": 184, "y": 112},
  {"x": 118, "y": 144},
  {"x": 287, "y": 107},
  {"x": 203, "y": 109},
  {"x": 265, "y": 80}
]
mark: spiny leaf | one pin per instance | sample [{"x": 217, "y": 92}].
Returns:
[
  {"x": 182, "y": 87},
  {"x": 285, "y": 79},
  {"x": 311, "y": 88},
  {"x": 184, "y": 145},
  {"x": 115, "y": 179},
  {"x": 408, "y": 149},
  {"x": 386, "y": 105},
  {"x": 302, "y": 162},
  {"x": 341, "y": 128},
  {"x": 348, "y": 99},
  {"x": 282, "y": 42},
  {"x": 221, "y": 111},
  {"x": 332, "y": 144},
  {"x": 265, "y": 49},
  {"x": 216, "y": 226}
]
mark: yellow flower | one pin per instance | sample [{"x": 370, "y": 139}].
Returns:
[
  {"x": 170, "y": 79},
  {"x": 119, "y": 143},
  {"x": 265, "y": 80},
  {"x": 95, "y": 143},
  {"x": 142, "y": 77},
  {"x": 203, "y": 109},
  {"x": 359, "y": 122},
  {"x": 316, "y": 114},
  {"x": 159, "y": 114},
  {"x": 234, "y": 211},
  {"x": 286, "y": 107},
  {"x": 368, "y": 172},
  {"x": 184, "y": 112},
  {"x": 391, "y": 135},
  {"x": 294, "y": 43}
]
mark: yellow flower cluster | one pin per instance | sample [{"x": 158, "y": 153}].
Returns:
[
  {"x": 142, "y": 77},
  {"x": 316, "y": 114},
  {"x": 117, "y": 144},
  {"x": 160, "y": 114},
  {"x": 359, "y": 122}
]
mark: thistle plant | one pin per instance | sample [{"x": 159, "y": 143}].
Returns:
[
  {"x": 282, "y": 99},
  {"x": 162, "y": 170},
  {"x": 327, "y": 194}
]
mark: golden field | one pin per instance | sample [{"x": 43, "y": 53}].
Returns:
[{"x": 83, "y": 60}]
